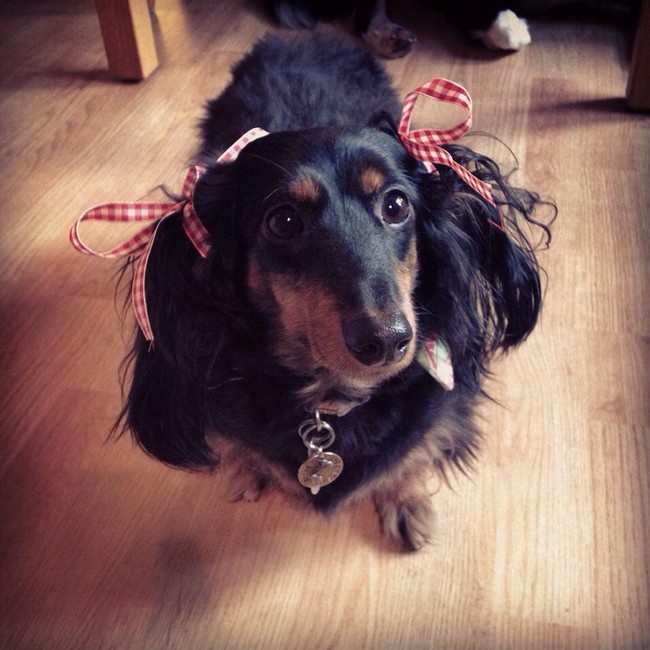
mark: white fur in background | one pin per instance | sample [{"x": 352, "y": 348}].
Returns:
[{"x": 507, "y": 32}]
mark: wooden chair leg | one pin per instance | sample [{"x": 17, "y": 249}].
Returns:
[
  {"x": 128, "y": 38},
  {"x": 638, "y": 85}
]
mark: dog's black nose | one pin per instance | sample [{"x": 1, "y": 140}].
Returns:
[{"x": 378, "y": 341}]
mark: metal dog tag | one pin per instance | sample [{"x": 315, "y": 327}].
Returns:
[
  {"x": 319, "y": 470},
  {"x": 321, "y": 467}
]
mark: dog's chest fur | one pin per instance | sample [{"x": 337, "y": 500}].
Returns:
[{"x": 372, "y": 438}]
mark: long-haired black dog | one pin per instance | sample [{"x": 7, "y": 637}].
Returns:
[{"x": 334, "y": 256}]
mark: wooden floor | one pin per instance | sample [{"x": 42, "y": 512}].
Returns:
[{"x": 547, "y": 546}]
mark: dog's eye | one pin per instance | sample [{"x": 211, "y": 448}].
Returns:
[
  {"x": 395, "y": 208},
  {"x": 284, "y": 222}
]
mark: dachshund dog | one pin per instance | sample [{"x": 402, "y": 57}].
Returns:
[{"x": 294, "y": 351}]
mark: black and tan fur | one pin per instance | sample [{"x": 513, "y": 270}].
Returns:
[{"x": 334, "y": 255}]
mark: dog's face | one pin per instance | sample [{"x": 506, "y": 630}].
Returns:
[
  {"x": 323, "y": 246},
  {"x": 326, "y": 218}
]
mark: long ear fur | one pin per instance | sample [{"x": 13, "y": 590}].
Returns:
[
  {"x": 479, "y": 284},
  {"x": 195, "y": 322}
]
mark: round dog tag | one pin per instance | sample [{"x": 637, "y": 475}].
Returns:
[{"x": 319, "y": 470}]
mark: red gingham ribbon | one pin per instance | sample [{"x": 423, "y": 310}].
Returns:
[
  {"x": 155, "y": 212},
  {"x": 422, "y": 144}
]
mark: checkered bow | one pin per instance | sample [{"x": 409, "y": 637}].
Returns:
[
  {"x": 422, "y": 144},
  {"x": 156, "y": 213}
]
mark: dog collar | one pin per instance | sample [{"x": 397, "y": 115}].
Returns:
[
  {"x": 435, "y": 358},
  {"x": 422, "y": 144}
]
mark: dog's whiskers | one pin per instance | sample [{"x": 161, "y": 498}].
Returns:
[
  {"x": 271, "y": 162},
  {"x": 270, "y": 194}
]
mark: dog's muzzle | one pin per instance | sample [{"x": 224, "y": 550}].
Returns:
[{"x": 378, "y": 341}]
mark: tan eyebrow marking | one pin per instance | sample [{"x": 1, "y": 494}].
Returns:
[
  {"x": 304, "y": 189},
  {"x": 371, "y": 180}
]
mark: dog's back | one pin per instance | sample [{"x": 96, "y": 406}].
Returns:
[{"x": 298, "y": 83}]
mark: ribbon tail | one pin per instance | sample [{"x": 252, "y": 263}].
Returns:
[
  {"x": 122, "y": 213},
  {"x": 138, "y": 293},
  {"x": 479, "y": 186},
  {"x": 196, "y": 231}
]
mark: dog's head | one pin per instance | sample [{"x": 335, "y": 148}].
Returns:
[
  {"x": 324, "y": 225},
  {"x": 333, "y": 255}
]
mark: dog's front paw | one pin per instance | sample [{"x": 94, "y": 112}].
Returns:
[
  {"x": 389, "y": 40},
  {"x": 406, "y": 519},
  {"x": 247, "y": 484},
  {"x": 507, "y": 32}
]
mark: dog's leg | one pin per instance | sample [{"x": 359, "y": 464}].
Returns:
[
  {"x": 246, "y": 483},
  {"x": 405, "y": 512},
  {"x": 385, "y": 37},
  {"x": 247, "y": 476}
]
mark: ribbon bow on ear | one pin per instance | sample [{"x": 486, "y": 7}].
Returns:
[
  {"x": 422, "y": 144},
  {"x": 155, "y": 212}
]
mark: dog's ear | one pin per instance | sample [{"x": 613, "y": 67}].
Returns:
[
  {"x": 479, "y": 278},
  {"x": 385, "y": 122},
  {"x": 165, "y": 409},
  {"x": 195, "y": 316},
  {"x": 215, "y": 205}
]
